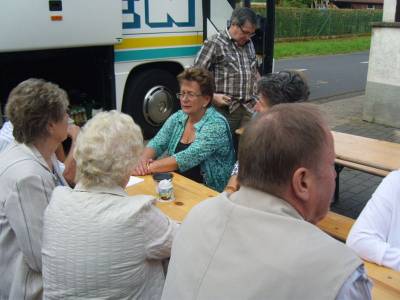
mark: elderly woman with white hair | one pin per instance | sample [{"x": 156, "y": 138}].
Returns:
[{"x": 98, "y": 242}]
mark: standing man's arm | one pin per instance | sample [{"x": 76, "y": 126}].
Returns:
[{"x": 206, "y": 59}]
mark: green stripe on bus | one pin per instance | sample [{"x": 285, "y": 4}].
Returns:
[{"x": 155, "y": 53}]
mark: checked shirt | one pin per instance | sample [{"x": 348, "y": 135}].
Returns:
[{"x": 234, "y": 68}]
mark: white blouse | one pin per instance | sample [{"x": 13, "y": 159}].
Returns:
[
  {"x": 375, "y": 235},
  {"x": 103, "y": 244}
]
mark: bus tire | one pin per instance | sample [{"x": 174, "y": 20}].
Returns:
[{"x": 150, "y": 99}]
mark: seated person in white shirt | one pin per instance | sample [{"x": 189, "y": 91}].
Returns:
[
  {"x": 98, "y": 242},
  {"x": 375, "y": 236},
  {"x": 6, "y": 136}
]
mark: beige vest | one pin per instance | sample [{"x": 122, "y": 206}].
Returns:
[{"x": 254, "y": 247}]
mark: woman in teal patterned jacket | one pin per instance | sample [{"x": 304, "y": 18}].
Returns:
[{"x": 196, "y": 139}]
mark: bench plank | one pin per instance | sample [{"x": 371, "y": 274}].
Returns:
[{"x": 362, "y": 168}]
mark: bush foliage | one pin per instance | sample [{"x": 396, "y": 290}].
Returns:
[{"x": 308, "y": 22}]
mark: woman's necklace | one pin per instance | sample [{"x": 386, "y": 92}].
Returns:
[{"x": 188, "y": 135}]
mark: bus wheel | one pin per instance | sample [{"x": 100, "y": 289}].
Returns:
[{"x": 150, "y": 99}]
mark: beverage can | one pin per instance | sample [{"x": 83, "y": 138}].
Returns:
[{"x": 165, "y": 190}]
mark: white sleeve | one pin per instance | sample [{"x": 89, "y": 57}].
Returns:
[
  {"x": 159, "y": 231},
  {"x": 369, "y": 235},
  {"x": 6, "y": 135}
]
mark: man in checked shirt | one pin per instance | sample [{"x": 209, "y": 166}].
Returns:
[{"x": 231, "y": 57}]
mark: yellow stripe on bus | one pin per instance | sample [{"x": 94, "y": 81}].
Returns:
[{"x": 147, "y": 42}]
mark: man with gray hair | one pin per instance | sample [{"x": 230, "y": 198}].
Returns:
[
  {"x": 260, "y": 242},
  {"x": 231, "y": 57}
]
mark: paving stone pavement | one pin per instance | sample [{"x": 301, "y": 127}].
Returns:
[{"x": 356, "y": 188}]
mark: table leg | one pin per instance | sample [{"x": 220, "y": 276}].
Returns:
[{"x": 338, "y": 169}]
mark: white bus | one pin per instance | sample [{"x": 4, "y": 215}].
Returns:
[{"x": 113, "y": 54}]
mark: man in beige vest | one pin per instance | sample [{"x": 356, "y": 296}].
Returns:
[{"x": 261, "y": 242}]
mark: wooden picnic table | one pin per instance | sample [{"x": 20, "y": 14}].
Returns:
[
  {"x": 368, "y": 155},
  {"x": 189, "y": 193},
  {"x": 359, "y": 152},
  {"x": 364, "y": 154}
]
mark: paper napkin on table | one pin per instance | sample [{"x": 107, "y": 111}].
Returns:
[{"x": 134, "y": 180}]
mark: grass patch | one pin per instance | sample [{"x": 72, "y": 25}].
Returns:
[{"x": 321, "y": 47}]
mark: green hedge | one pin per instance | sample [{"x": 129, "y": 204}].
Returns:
[{"x": 307, "y": 22}]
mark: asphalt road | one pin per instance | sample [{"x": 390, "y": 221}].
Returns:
[{"x": 331, "y": 76}]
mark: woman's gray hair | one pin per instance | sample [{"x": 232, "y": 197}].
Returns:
[
  {"x": 31, "y": 105},
  {"x": 107, "y": 149},
  {"x": 287, "y": 86}
]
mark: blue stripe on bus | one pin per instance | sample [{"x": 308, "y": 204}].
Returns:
[{"x": 155, "y": 53}]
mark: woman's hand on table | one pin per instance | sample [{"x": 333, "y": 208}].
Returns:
[{"x": 143, "y": 167}]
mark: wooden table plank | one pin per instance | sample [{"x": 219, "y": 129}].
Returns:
[
  {"x": 380, "y": 292},
  {"x": 364, "y": 154},
  {"x": 385, "y": 277},
  {"x": 366, "y": 151},
  {"x": 187, "y": 192},
  {"x": 336, "y": 225}
]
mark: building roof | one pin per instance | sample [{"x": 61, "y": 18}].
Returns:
[{"x": 360, "y": 1}]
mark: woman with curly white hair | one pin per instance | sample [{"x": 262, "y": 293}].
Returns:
[{"x": 98, "y": 242}]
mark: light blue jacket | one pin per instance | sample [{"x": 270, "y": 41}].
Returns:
[{"x": 212, "y": 148}]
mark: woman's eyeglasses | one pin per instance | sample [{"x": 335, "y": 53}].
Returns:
[{"x": 190, "y": 96}]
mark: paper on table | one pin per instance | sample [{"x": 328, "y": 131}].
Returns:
[{"x": 134, "y": 180}]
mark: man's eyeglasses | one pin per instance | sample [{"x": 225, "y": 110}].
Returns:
[
  {"x": 190, "y": 96},
  {"x": 248, "y": 33}
]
